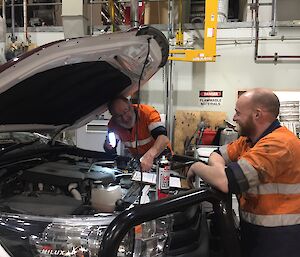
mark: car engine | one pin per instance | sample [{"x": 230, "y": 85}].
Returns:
[
  {"x": 56, "y": 187},
  {"x": 59, "y": 201}
]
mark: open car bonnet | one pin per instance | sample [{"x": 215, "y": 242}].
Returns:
[{"x": 69, "y": 82}]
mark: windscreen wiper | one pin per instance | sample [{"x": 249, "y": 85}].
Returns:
[{"x": 17, "y": 145}]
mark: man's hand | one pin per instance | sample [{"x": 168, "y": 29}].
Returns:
[
  {"x": 214, "y": 175},
  {"x": 190, "y": 177},
  {"x": 146, "y": 162},
  {"x": 147, "y": 159},
  {"x": 108, "y": 145}
]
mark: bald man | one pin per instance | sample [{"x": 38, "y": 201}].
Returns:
[{"x": 262, "y": 168}]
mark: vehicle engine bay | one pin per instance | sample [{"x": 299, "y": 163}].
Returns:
[
  {"x": 57, "y": 186},
  {"x": 60, "y": 200}
]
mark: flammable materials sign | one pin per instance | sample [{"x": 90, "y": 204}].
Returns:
[{"x": 211, "y": 98}]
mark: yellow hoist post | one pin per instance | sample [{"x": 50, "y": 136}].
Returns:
[
  {"x": 179, "y": 33},
  {"x": 208, "y": 54},
  {"x": 111, "y": 7}
]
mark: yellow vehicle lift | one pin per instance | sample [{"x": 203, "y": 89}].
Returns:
[{"x": 208, "y": 54}]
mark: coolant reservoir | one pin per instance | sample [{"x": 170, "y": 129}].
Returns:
[{"x": 103, "y": 198}]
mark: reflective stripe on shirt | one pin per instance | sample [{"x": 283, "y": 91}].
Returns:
[
  {"x": 139, "y": 142},
  {"x": 224, "y": 153},
  {"x": 271, "y": 220},
  {"x": 273, "y": 188},
  {"x": 155, "y": 125},
  {"x": 249, "y": 172}
]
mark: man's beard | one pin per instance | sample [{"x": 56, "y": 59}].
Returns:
[
  {"x": 247, "y": 129},
  {"x": 131, "y": 122}
]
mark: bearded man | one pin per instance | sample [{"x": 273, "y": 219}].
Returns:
[
  {"x": 262, "y": 168},
  {"x": 140, "y": 129}
]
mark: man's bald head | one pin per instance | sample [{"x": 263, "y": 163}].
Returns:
[
  {"x": 255, "y": 111},
  {"x": 264, "y": 99}
]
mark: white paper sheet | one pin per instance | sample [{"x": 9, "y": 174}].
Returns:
[{"x": 150, "y": 178}]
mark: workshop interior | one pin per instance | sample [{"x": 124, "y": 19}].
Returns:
[{"x": 63, "y": 62}]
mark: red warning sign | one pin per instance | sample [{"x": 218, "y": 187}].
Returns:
[{"x": 210, "y": 93}]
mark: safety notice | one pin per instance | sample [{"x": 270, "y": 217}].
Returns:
[{"x": 211, "y": 98}]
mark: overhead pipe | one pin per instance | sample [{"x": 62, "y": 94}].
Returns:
[
  {"x": 122, "y": 1},
  {"x": 91, "y": 19},
  {"x": 134, "y": 13},
  {"x": 91, "y": 1},
  {"x": 2, "y": 38},
  {"x": 256, "y": 21},
  {"x": 3, "y": 10},
  {"x": 245, "y": 41},
  {"x": 223, "y": 6},
  {"x": 13, "y": 37},
  {"x": 264, "y": 58},
  {"x": 169, "y": 104},
  {"x": 170, "y": 116},
  {"x": 170, "y": 19},
  {"x": 274, "y": 18},
  {"x": 25, "y": 21},
  {"x": 168, "y": 72},
  {"x": 35, "y": 4}
]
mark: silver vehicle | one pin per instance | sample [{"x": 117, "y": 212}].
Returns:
[{"x": 46, "y": 186}]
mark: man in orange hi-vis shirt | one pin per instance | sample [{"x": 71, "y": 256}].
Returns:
[
  {"x": 128, "y": 121},
  {"x": 262, "y": 167}
]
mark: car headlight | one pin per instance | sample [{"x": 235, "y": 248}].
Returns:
[
  {"x": 75, "y": 240},
  {"x": 151, "y": 236},
  {"x": 68, "y": 240},
  {"x": 56, "y": 237}
]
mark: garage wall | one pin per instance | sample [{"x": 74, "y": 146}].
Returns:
[
  {"x": 234, "y": 70},
  {"x": 41, "y": 38},
  {"x": 286, "y": 10}
]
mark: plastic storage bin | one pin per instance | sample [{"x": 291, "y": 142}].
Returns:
[{"x": 207, "y": 137}]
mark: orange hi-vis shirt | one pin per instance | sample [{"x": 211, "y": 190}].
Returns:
[
  {"x": 148, "y": 119},
  {"x": 267, "y": 174}
]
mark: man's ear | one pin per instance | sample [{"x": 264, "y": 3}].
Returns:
[{"x": 257, "y": 113}]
